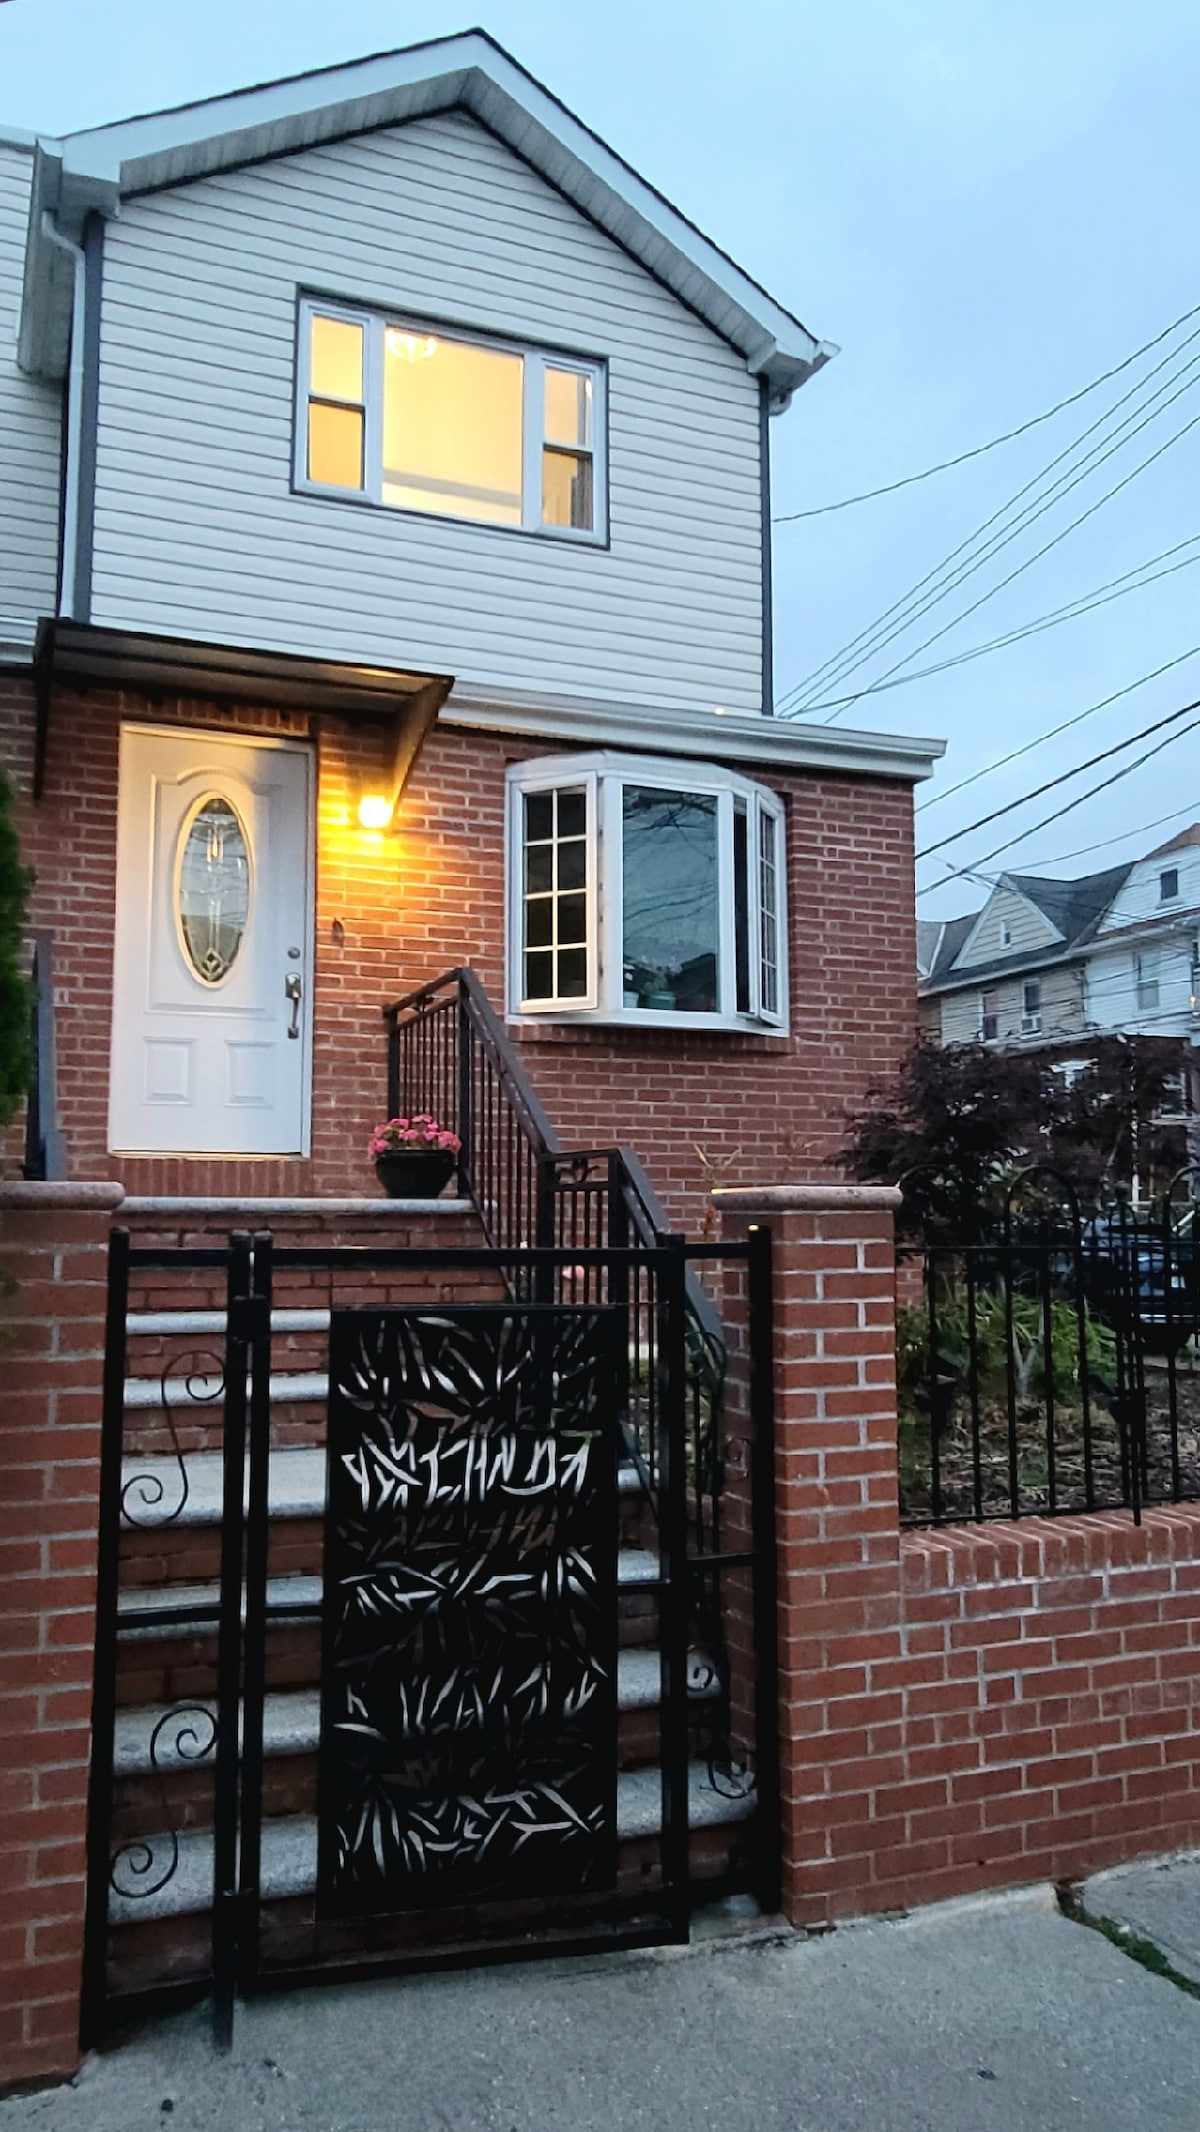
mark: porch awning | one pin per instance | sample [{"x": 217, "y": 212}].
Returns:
[{"x": 79, "y": 655}]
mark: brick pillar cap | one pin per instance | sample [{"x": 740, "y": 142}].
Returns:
[
  {"x": 52, "y": 1198},
  {"x": 806, "y": 1198}
]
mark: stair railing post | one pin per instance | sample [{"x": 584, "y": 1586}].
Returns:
[{"x": 465, "y": 1121}]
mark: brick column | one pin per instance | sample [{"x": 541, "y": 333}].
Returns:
[
  {"x": 53, "y": 1246},
  {"x": 838, "y": 1536}
]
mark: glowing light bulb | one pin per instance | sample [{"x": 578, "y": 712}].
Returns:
[{"x": 374, "y": 810}]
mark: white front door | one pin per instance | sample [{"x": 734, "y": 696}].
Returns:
[{"x": 212, "y": 964}]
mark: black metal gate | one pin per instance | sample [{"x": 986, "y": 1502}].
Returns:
[{"x": 458, "y": 1646}]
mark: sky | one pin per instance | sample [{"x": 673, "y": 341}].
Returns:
[{"x": 986, "y": 204}]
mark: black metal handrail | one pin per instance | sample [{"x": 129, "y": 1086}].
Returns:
[
  {"x": 45, "y": 1153},
  {"x": 449, "y": 1054}
]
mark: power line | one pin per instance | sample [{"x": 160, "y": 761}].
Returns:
[
  {"x": 830, "y": 669},
  {"x": 1063, "y": 778},
  {"x": 1075, "y": 523},
  {"x": 944, "y": 465},
  {"x": 1080, "y": 799},
  {"x": 1001, "y": 762},
  {"x": 1115, "y": 588},
  {"x": 1081, "y": 851}
]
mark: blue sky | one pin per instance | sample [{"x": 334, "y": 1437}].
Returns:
[{"x": 985, "y": 203}]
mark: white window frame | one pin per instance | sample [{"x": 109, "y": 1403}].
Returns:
[
  {"x": 604, "y": 776},
  {"x": 1147, "y": 978},
  {"x": 536, "y": 362}
]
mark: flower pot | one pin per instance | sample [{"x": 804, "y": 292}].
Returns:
[{"x": 415, "y": 1172}]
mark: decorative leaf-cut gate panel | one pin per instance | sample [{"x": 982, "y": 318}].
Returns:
[{"x": 468, "y": 1719}]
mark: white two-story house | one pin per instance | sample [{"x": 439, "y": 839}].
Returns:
[{"x": 385, "y": 586}]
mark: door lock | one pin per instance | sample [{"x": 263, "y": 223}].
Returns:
[{"x": 293, "y": 986}]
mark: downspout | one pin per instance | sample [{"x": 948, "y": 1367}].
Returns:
[{"x": 71, "y": 485}]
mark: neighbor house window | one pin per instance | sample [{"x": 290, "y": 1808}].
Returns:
[
  {"x": 405, "y": 415},
  {"x": 989, "y": 1018},
  {"x": 1168, "y": 884},
  {"x": 646, "y": 891},
  {"x": 1147, "y": 970},
  {"x": 1031, "y": 1006}
]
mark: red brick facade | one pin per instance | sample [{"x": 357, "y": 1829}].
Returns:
[
  {"x": 960, "y": 1709},
  {"x": 393, "y": 912}
]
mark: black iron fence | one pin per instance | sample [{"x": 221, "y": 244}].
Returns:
[{"x": 1052, "y": 1367}]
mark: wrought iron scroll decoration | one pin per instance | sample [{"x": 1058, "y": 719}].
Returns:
[
  {"x": 191, "y": 1732},
  {"x": 142, "y": 1493}
]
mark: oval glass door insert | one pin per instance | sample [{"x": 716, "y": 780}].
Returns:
[{"x": 213, "y": 888}]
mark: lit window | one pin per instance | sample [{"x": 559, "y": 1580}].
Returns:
[
  {"x": 410, "y": 417},
  {"x": 646, "y": 891}
]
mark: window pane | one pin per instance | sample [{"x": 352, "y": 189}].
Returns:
[
  {"x": 768, "y": 902},
  {"x": 568, "y": 407},
  {"x": 671, "y": 925},
  {"x": 539, "y": 868},
  {"x": 539, "y": 975},
  {"x": 572, "y": 864},
  {"x": 572, "y": 919},
  {"x": 567, "y": 490},
  {"x": 572, "y": 974},
  {"x": 213, "y": 891},
  {"x": 572, "y": 813},
  {"x": 452, "y": 428},
  {"x": 539, "y": 816},
  {"x": 539, "y": 922},
  {"x": 337, "y": 360},
  {"x": 741, "y": 908},
  {"x": 335, "y": 445}
]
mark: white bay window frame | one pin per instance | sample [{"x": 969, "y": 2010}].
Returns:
[
  {"x": 604, "y": 778},
  {"x": 536, "y": 441}
]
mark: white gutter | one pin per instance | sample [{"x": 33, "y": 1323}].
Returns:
[{"x": 70, "y": 526}]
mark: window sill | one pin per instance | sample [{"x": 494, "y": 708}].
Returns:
[{"x": 561, "y": 1018}]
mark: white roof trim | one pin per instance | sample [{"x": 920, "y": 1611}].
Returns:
[
  {"x": 782, "y": 744},
  {"x": 94, "y": 169}
]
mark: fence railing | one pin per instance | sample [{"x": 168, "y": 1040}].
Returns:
[
  {"x": 45, "y": 1155},
  {"x": 1053, "y": 1368},
  {"x": 449, "y": 1054}
]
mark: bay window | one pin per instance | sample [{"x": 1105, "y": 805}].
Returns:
[
  {"x": 646, "y": 892},
  {"x": 411, "y": 417}
]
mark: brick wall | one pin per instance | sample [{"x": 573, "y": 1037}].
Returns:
[
  {"x": 52, "y": 1330},
  {"x": 966, "y": 1708},
  {"x": 394, "y": 912}
]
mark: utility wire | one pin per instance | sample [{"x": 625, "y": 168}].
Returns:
[
  {"x": 1081, "y": 851},
  {"x": 1014, "y": 755},
  {"x": 1105, "y": 782},
  {"x": 943, "y": 466},
  {"x": 1063, "y": 778},
  {"x": 831, "y": 669},
  {"x": 1075, "y": 523},
  {"x": 1115, "y": 588}
]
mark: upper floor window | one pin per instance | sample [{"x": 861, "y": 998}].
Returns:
[
  {"x": 1147, "y": 970},
  {"x": 402, "y": 414},
  {"x": 1168, "y": 884},
  {"x": 646, "y": 891},
  {"x": 1031, "y": 1006},
  {"x": 989, "y": 1017}
]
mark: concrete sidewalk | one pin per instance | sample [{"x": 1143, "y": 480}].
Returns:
[{"x": 997, "y": 2017}]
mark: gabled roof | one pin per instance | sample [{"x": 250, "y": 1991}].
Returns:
[
  {"x": 94, "y": 170},
  {"x": 1185, "y": 841},
  {"x": 952, "y": 933},
  {"x": 1073, "y": 908}
]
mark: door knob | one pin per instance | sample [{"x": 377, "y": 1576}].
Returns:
[{"x": 293, "y": 986}]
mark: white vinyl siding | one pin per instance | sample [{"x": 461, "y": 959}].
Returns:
[
  {"x": 198, "y": 528},
  {"x": 30, "y": 426}
]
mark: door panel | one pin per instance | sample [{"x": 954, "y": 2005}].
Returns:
[{"x": 210, "y": 1050}]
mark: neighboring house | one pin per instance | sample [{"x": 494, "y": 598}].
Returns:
[
  {"x": 384, "y": 587},
  {"x": 1054, "y": 965}
]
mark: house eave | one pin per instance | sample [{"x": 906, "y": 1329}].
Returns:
[
  {"x": 1054, "y": 957},
  {"x": 469, "y": 72},
  {"x": 781, "y": 744}
]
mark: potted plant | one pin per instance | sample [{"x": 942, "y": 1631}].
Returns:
[{"x": 414, "y": 1157}]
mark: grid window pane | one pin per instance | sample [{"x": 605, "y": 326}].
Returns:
[
  {"x": 452, "y": 427},
  {"x": 568, "y": 407},
  {"x": 768, "y": 893},
  {"x": 337, "y": 360},
  {"x": 556, "y": 917},
  {"x": 567, "y": 490},
  {"x": 335, "y": 445},
  {"x": 671, "y": 894}
]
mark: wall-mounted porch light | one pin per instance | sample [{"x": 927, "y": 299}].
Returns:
[{"x": 374, "y": 810}]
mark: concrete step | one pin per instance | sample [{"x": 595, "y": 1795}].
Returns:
[
  {"x": 292, "y": 1721},
  {"x": 295, "y": 1486},
  {"x": 162, "y": 1324},
  {"x": 289, "y": 1848},
  {"x": 637, "y": 1568}
]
